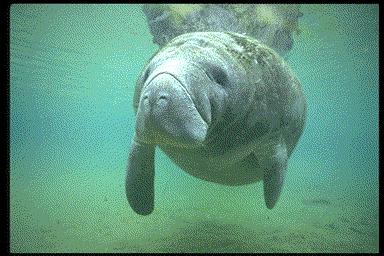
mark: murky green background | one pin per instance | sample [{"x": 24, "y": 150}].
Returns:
[{"x": 72, "y": 74}]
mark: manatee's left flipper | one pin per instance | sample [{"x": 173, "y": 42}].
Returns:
[
  {"x": 274, "y": 165},
  {"x": 139, "y": 183}
]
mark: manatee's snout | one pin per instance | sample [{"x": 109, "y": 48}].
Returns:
[
  {"x": 167, "y": 114},
  {"x": 156, "y": 102}
]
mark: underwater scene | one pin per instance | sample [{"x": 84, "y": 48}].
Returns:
[{"x": 118, "y": 144}]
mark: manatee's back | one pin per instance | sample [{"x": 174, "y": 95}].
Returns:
[{"x": 278, "y": 92}]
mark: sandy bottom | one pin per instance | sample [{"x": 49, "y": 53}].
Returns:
[{"x": 87, "y": 212}]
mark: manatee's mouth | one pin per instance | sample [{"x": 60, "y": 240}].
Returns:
[{"x": 167, "y": 114}]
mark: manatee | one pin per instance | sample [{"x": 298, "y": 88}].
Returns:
[{"x": 222, "y": 106}]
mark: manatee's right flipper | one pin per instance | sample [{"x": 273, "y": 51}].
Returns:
[
  {"x": 274, "y": 165},
  {"x": 139, "y": 183}
]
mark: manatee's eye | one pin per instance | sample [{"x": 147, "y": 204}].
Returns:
[{"x": 217, "y": 74}]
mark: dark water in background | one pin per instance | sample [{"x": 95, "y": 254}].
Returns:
[{"x": 72, "y": 75}]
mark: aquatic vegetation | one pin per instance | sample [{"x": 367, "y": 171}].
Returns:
[{"x": 272, "y": 24}]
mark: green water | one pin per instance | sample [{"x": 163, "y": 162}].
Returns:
[{"x": 72, "y": 74}]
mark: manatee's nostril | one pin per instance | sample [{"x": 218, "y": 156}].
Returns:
[
  {"x": 145, "y": 97},
  {"x": 162, "y": 96},
  {"x": 162, "y": 100}
]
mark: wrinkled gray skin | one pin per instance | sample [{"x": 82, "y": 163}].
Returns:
[{"x": 223, "y": 107}]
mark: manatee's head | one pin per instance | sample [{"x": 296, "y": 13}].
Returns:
[{"x": 168, "y": 111}]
